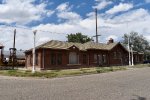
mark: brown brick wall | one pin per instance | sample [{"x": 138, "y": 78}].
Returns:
[
  {"x": 47, "y": 58},
  {"x": 93, "y": 62},
  {"x": 121, "y": 56},
  {"x": 29, "y": 60},
  {"x": 44, "y": 58}
]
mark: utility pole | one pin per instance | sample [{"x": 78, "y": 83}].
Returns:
[
  {"x": 98, "y": 56},
  {"x": 14, "y": 50},
  {"x": 96, "y": 25},
  {"x": 33, "y": 53}
]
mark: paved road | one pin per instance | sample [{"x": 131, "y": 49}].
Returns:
[{"x": 122, "y": 85}]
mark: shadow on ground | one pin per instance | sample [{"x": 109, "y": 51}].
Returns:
[{"x": 138, "y": 98}]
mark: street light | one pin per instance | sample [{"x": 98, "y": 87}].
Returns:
[
  {"x": 129, "y": 50},
  {"x": 132, "y": 55},
  {"x": 128, "y": 36},
  {"x": 33, "y": 53}
]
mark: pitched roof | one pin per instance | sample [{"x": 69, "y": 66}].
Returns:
[
  {"x": 55, "y": 44},
  {"x": 102, "y": 46}
]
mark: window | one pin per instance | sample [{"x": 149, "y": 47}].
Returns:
[
  {"x": 36, "y": 59},
  {"x": 114, "y": 55},
  {"x": 59, "y": 58},
  {"x": 104, "y": 58},
  {"x": 137, "y": 58},
  {"x": 53, "y": 58},
  {"x": 31, "y": 59},
  {"x": 56, "y": 58},
  {"x": 84, "y": 58},
  {"x": 119, "y": 55},
  {"x": 95, "y": 57}
]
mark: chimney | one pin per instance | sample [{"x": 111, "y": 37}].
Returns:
[{"x": 110, "y": 41}]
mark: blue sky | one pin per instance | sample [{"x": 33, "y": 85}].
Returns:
[
  {"x": 83, "y": 7},
  {"x": 54, "y": 19}
]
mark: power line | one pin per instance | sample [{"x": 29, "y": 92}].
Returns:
[
  {"x": 5, "y": 27},
  {"x": 12, "y": 26},
  {"x": 31, "y": 30}
]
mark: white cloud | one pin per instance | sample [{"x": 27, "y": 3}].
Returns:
[
  {"x": 148, "y": 1},
  {"x": 148, "y": 37},
  {"x": 49, "y": 13},
  {"x": 120, "y": 8},
  {"x": 71, "y": 16},
  {"x": 102, "y": 4},
  {"x": 81, "y": 5},
  {"x": 138, "y": 20},
  {"x": 22, "y": 11},
  {"x": 65, "y": 13},
  {"x": 132, "y": 16},
  {"x": 63, "y": 7}
]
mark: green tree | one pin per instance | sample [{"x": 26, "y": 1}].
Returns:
[
  {"x": 139, "y": 42},
  {"x": 78, "y": 38}
]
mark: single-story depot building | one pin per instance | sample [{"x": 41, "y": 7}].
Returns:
[{"x": 63, "y": 55}]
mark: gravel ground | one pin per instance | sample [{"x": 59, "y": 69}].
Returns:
[{"x": 122, "y": 85}]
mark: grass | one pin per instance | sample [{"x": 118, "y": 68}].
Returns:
[
  {"x": 19, "y": 73},
  {"x": 110, "y": 69},
  {"x": 59, "y": 73},
  {"x": 68, "y": 72},
  {"x": 141, "y": 65}
]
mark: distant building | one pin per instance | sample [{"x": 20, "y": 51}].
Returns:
[
  {"x": 20, "y": 56},
  {"x": 64, "y": 55}
]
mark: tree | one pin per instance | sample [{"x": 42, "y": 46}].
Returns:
[
  {"x": 139, "y": 42},
  {"x": 78, "y": 38}
]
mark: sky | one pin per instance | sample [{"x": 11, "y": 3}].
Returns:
[{"x": 54, "y": 19}]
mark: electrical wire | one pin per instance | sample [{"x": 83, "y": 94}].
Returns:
[{"x": 13, "y": 26}]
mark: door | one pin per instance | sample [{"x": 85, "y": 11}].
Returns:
[{"x": 73, "y": 58}]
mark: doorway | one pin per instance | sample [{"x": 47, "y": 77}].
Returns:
[{"x": 73, "y": 58}]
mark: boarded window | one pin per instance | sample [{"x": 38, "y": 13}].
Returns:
[
  {"x": 36, "y": 59},
  {"x": 56, "y": 58},
  {"x": 104, "y": 58},
  {"x": 137, "y": 58},
  {"x": 119, "y": 55},
  {"x": 59, "y": 58},
  {"x": 84, "y": 58},
  {"x": 73, "y": 58},
  {"x": 114, "y": 55},
  {"x": 95, "y": 57},
  {"x": 31, "y": 59},
  {"x": 53, "y": 58}
]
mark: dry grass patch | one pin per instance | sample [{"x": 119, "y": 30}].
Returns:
[{"x": 59, "y": 73}]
